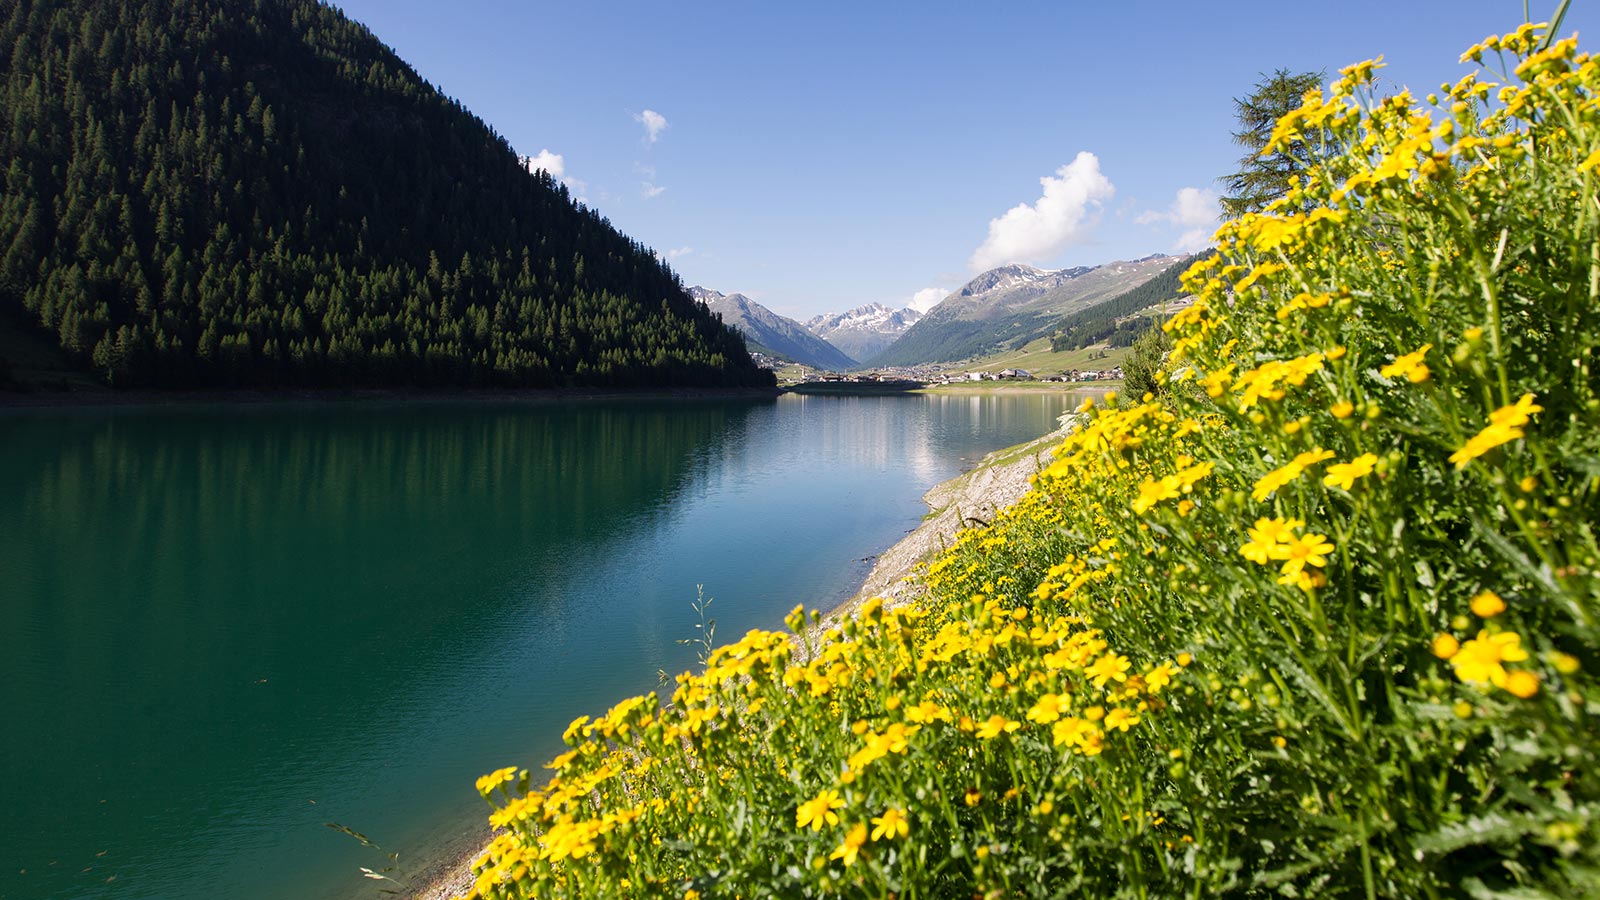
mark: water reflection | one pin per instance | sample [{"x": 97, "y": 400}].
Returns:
[{"x": 222, "y": 628}]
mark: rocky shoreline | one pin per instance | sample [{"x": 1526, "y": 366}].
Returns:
[
  {"x": 997, "y": 481},
  {"x": 973, "y": 498}
]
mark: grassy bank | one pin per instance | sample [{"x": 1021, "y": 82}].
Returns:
[{"x": 1318, "y": 621}]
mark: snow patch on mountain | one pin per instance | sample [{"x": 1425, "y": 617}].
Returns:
[{"x": 864, "y": 331}]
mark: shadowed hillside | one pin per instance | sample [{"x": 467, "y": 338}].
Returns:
[{"x": 221, "y": 192}]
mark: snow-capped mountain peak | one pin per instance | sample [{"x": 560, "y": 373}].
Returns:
[
  {"x": 864, "y": 330},
  {"x": 705, "y": 295}
]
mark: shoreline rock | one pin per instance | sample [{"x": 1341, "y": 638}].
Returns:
[{"x": 972, "y": 498}]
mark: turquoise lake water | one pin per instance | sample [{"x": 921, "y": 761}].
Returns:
[{"x": 224, "y": 626}]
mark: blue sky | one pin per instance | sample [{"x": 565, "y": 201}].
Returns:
[{"x": 819, "y": 156}]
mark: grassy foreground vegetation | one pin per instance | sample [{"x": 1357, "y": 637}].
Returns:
[{"x": 1319, "y": 622}]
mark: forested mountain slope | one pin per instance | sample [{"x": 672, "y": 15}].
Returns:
[
  {"x": 1116, "y": 321},
  {"x": 217, "y": 192}
]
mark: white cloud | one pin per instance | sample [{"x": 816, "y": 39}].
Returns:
[
  {"x": 1192, "y": 208},
  {"x": 927, "y": 299},
  {"x": 654, "y": 123},
  {"x": 1063, "y": 215},
  {"x": 651, "y": 190},
  {"x": 677, "y": 252},
  {"x": 1194, "y": 240},
  {"x": 1195, "y": 211},
  {"x": 554, "y": 163}
]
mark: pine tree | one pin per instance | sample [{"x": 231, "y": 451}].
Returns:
[{"x": 1263, "y": 177}]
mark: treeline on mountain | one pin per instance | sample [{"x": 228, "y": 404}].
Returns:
[
  {"x": 1115, "y": 322},
  {"x": 259, "y": 192},
  {"x": 945, "y": 341}
]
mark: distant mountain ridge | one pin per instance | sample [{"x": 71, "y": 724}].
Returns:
[
  {"x": 1012, "y": 304},
  {"x": 865, "y": 331},
  {"x": 771, "y": 333}
]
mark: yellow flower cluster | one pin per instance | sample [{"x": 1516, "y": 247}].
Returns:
[
  {"x": 1410, "y": 365},
  {"x": 1279, "y": 540},
  {"x": 1269, "y": 483},
  {"x": 1505, "y": 426},
  {"x": 1059, "y": 677},
  {"x": 1265, "y": 381},
  {"x": 1040, "y": 714}
]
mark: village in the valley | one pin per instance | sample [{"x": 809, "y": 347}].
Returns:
[{"x": 932, "y": 376}]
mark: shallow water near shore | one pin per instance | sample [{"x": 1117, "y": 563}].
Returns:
[{"x": 224, "y": 626}]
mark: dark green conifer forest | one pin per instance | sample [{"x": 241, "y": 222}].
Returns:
[
  {"x": 205, "y": 193},
  {"x": 1116, "y": 321}
]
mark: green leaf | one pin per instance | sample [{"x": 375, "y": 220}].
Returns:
[{"x": 1490, "y": 829}]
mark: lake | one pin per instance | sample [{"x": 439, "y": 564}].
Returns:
[{"x": 224, "y": 626}]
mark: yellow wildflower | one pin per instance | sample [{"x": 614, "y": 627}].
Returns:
[
  {"x": 1217, "y": 381},
  {"x": 1487, "y": 605},
  {"x": 1312, "y": 457},
  {"x": 819, "y": 811},
  {"x": 996, "y": 725},
  {"x": 1344, "y": 475},
  {"x": 927, "y": 711},
  {"x": 1522, "y": 683},
  {"x": 1121, "y": 719},
  {"x": 1275, "y": 479},
  {"x": 1269, "y": 230},
  {"x": 1154, "y": 491},
  {"x": 1445, "y": 645},
  {"x": 1265, "y": 539},
  {"x": 1073, "y": 731},
  {"x": 1505, "y": 426},
  {"x": 574, "y": 729},
  {"x": 1303, "y": 300},
  {"x": 892, "y": 824},
  {"x": 1048, "y": 708},
  {"x": 851, "y": 847},
  {"x": 1309, "y": 550},
  {"x": 1110, "y": 667},
  {"x": 1480, "y": 659},
  {"x": 1189, "y": 476},
  {"x": 1158, "y": 678},
  {"x": 494, "y": 779},
  {"x": 1410, "y": 365}
]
